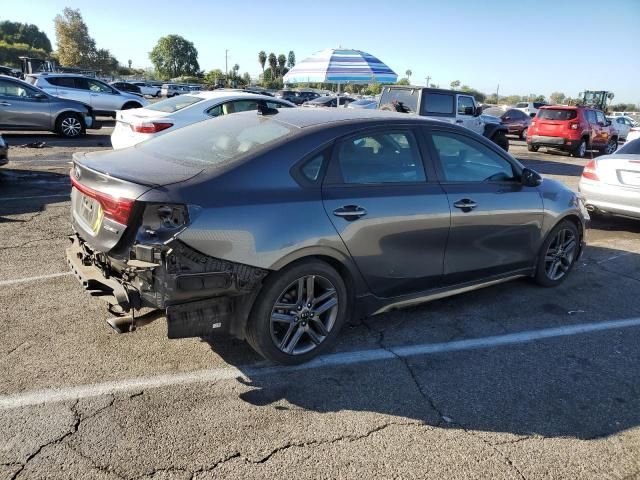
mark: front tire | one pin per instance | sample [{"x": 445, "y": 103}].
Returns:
[
  {"x": 558, "y": 254},
  {"x": 69, "y": 125},
  {"x": 298, "y": 313},
  {"x": 612, "y": 146},
  {"x": 501, "y": 140},
  {"x": 532, "y": 148}
]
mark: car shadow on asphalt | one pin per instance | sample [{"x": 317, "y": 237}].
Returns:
[
  {"x": 30, "y": 191},
  {"x": 43, "y": 140},
  {"x": 584, "y": 386},
  {"x": 552, "y": 167}
]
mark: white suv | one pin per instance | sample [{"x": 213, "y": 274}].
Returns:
[
  {"x": 148, "y": 89},
  {"x": 104, "y": 99},
  {"x": 530, "y": 108}
]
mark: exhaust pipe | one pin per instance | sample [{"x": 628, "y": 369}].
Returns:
[{"x": 129, "y": 323}]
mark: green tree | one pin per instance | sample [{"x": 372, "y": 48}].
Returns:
[
  {"x": 409, "y": 73},
  {"x": 262, "y": 59},
  {"x": 282, "y": 62},
  {"x": 478, "y": 95},
  {"x": 291, "y": 60},
  {"x": 273, "y": 64},
  {"x": 213, "y": 77},
  {"x": 403, "y": 81},
  {"x": 24, "y": 33},
  {"x": 557, "y": 98},
  {"x": 455, "y": 84},
  {"x": 75, "y": 46},
  {"x": 9, "y": 53},
  {"x": 246, "y": 78},
  {"x": 173, "y": 56}
]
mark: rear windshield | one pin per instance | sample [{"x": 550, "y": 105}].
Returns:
[
  {"x": 217, "y": 141},
  {"x": 557, "y": 114},
  {"x": 630, "y": 148},
  {"x": 405, "y": 99},
  {"x": 174, "y": 104},
  {"x": 522, "y": 105}
]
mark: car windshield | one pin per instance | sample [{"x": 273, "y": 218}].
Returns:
[
  {"x": 404, "y": 99},
  {"x": 174, "y": 104},
  {"x": 630, "y": 148},
  {"x": 217, "y": 141},
  {"x": 557, "y": 114},
  {"x": 363, "y": 101}
]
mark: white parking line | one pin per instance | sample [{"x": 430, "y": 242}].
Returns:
[
  {"x": 33, "y": 279},
  {"x": 52, "y": 395},
  {"x": 36, "y": 196}
]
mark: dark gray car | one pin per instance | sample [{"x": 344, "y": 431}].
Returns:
[
  {"x": 25, "y": 107},
  {"x": 279, "y": 226}
]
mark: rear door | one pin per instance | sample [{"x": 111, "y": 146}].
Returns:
[
  {"x": 393, "y": 216},
  {"x": 495, "y": 220},
  {"x": 72, "y": 88}
]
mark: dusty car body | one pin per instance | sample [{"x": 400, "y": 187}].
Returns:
[{"x": 208, "y": 223}]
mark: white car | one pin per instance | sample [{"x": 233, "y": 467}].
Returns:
[
  {"x": 103, "y": 98},
  {"x": 135, "y": 126},
  {"x": 634, "y": 133},
  {"x": 611, "y": 183},
  {"x": 530, "y": 108},
  {"x": 148, "y": 89},
  {"x": 623, "y": 124}
]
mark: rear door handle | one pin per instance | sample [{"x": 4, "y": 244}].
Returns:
[
  {"x": 353, "y": 211},
  {"x": 465, "y": 205}
]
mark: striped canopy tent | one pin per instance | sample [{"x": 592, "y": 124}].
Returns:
[{"x": 341, "y": 66}]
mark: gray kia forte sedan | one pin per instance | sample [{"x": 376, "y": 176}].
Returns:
[{"x": 278, "y": 226}]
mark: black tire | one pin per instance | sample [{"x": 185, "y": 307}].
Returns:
[
  {"x": 611, "y": 147},
  {"x": 580, "y": 150},
  {"x": 70, "y": 125},
  {"x": 543, "y": 275},
  {"x": 523, "y": 133},
  {"x": 532, "y": 148},
  {"x": 130, "y": 105},
  {"x": 501, "y": 140},
  {"x": 261, "y": 332}
]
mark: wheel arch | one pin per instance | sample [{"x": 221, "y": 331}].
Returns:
[{"x": 131, "y": 104}]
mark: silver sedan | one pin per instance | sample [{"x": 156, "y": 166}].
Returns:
[{"x": 611, "y": 184}]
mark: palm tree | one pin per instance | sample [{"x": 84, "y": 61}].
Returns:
[
  {"x": 236, "y": 67},
  {"x": 262, "y": 59},
  {"x": 409, "y": 73},
  {"x": 273, "y": 64},
  {"x": 282, "y": 62}
]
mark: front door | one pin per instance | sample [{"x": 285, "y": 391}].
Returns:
[
  {"x": 495, "y": 220},
  {"x": 389, "y": 210},
  {"x": 20, "y": 108},
  {"x": 466, "y": 114}
]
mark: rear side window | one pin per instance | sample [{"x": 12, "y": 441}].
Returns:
[
  {"x": 557, "y": 114},
  {"x": 311, "y": 169},
  {"x": 62, "y": 82},
  {"x": 437, "y": 103},
  {"x": 405, "y": 99},
  {"x": 381, "y": 158},
  {"x": 174, "y": 104},
  {"x": 538, "y": 104}
]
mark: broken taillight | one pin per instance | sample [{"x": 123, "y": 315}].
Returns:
[
  {"x": 116, "y": 209},
  {"x": 590, "y": 171}
]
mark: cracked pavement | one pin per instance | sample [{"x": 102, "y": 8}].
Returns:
[{"x": 558, "y": 408}]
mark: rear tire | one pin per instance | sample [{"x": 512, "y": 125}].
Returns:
[
  {"x": 580, "y": 150},
  {"x": 296, "y": 334},
  {"x": 533, "y": 148},
  {"x": 523, "y": 133},
  {"x": 501, "y": 140},
  {"x": 69, "y": 125},
  {"x": 558, "y": 254},
  {"x": 611, "y": 147}
]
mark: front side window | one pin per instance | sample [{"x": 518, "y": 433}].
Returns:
[
  {"x": 591, "y": 116},
  {"x": 98, "y": 87},
  {"x": 271, "y": 104},
  {"x": 381, "y": 158},
  {"x": 466, "y": 160},
  {"x": 11, "y": 89},
  {"x": 600, "y": 118},
  {"x": 464, "y": 103}
]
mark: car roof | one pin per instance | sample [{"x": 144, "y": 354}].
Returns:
[{"x": 311, "y": 117}]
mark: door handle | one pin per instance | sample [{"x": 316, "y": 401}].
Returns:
[
  {"x": 350, "y": 212},
  {"x": 465, "y": 205},
  {"x": 459, "y": 121},
  {"x": 94, "y": 94}
]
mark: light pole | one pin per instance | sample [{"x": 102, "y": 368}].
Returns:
[
  {"x": 226, "y": 66},
  {"x": 428, "y": 78}
]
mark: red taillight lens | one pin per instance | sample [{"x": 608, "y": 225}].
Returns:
[
  {"x": 150, "y": 127},
  {"x": 116, "y": 209},
  {"x": 590, "y": 171},
  {"x": 574, "y": 125}
]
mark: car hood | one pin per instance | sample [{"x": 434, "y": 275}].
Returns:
[
  {"x": 133, "y": 165},
  {"x": 132, "y": 96}
]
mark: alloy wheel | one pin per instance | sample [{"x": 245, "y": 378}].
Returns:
[
  {"x": 582, "y": 149},
  {"x": 560, "y": 254},
  {"x": 71, "y": 126},
  {"x": 611, "y": 147},
  {"x": 304, "y": 315}
]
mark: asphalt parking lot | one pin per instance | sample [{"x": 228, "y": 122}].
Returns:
[{"x": 513, "y": 381}]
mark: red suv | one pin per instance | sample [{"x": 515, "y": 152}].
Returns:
[{"x": 572, "y": 129}]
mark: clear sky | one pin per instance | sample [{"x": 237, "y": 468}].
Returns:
[{"x": 527, "y": 47}]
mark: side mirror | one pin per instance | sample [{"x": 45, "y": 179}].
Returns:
[
  {"x": 40, "y": 96},
  {"x": 469, "y": 111},
  {"x": 478, "y": 112},
  {"x": 506, "y": 117},
  {"x": 530, "y": 178}
]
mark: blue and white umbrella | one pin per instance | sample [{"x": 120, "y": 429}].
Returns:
[{"x": 341, "y": 66}]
